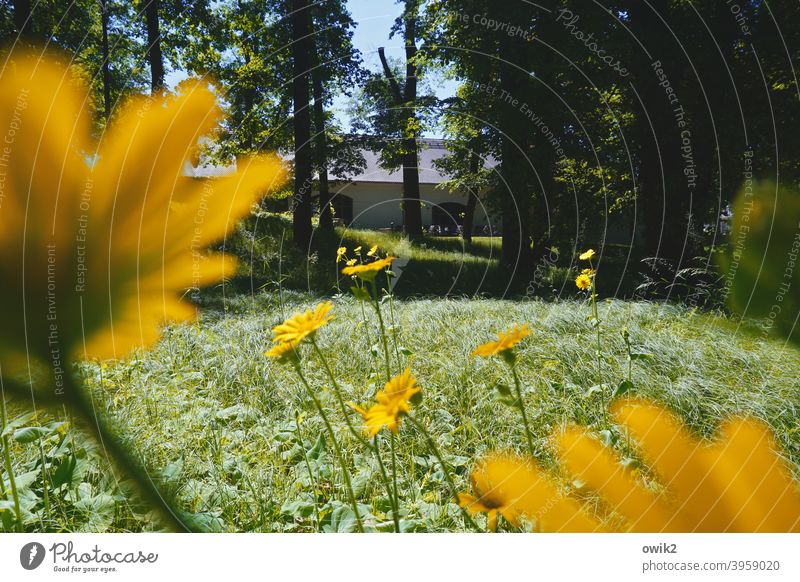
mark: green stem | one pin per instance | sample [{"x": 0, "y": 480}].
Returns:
[
  {"x": 81, "y": 404},
  {"x": 521, "y": 406},
  {"x": 596, "y": 314},
  {"x": 383, "y": 331},
  {"x": 9, "y": 466},
  {"x": 394, "y": 482},
  {"x": 345, "y": 471},
  {"x": 346, "y": 414},
  {"x": 394, "y": 329},
  {"x": 450, "y": 483},
  {"x": 45, "y": 480},
  {"x": 308, "y": 466},
  {"x": 392, "y": 498}
]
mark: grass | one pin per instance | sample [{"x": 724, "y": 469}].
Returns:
[{"x": 216, "y": 421}]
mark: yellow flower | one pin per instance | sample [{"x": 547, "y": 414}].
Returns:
[
  {"x": 341, "y": 251},
  {"x": 513, "y": 487},
  {"x": 301, "y": 325},
  {"x": 370, "y": 270},
  {"x": 505, "y": 341},
  {"x": 587, "y": 255},
  {"x": 589, "y": 272},
  {"x": 357, "y": 249},
  {"x": 737, "y": 484},
  {"x": 371, "y": 252},
  {"x": 351, "y": 262},
  {"x": 583, "y": 281},
  {"x": 107, "y": 238},
  {"x": 283, "y": 350},
  {"x": 392, "y": 402}
]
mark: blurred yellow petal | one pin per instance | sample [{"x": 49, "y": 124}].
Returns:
[{"x": 588, "y": 460}]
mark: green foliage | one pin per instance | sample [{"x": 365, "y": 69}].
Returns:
[
  {"x": 218, "y": 420},
  {"x": 762, "y": 269}
]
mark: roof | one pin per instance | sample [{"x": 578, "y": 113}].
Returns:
[{"x": 429, "y": 151}]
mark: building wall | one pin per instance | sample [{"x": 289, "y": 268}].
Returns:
[{"x": 377, "y": 204}]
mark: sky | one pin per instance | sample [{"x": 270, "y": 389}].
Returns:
[{"x": 374, "y": 19}]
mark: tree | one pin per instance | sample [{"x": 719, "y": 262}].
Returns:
[
  {"x": 23, "y": 20},
  {"x": 405, "y": 99},
  {"x": 466, "y": 162},
  {"x": 154, "y": 56},
  {"x": 301, "y": 66}
]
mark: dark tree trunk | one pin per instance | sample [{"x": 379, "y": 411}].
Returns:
[
  {"x": 321, "y": 145},
  {"x": 154, "y": 46},
  {"x": 662, "y": 199},
  {"x": 412, "y": 208},
  {"x": 106, "y": 71},
  {"x": 301, "y": 49},
  {"x": 469, "y": 217},
  {"x": 514, "y": 168},
  {"x": 22, "y": 18},
  {"x": 472, "y": 198}
]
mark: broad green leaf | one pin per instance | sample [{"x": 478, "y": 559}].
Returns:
[
  {"x": 622, "y": 388},
  {"x": 30, "y": 434},
  {"x": 762, "y": 267}
]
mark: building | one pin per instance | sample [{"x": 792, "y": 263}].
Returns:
[{"x": 373, "y": 198}]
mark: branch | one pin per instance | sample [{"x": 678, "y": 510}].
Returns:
[{"x": 398, "y": 95}]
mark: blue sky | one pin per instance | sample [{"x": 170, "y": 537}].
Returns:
[{"x": 374, "y": 19}]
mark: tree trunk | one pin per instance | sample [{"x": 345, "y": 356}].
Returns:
[
  {"x": 106, "y": 71},
  {"x": 662, "y": 196},
  {"x": 301, "y": 49},
  {"x": 22, "y": 18},
  {"x": 472, "y": 199},
  {"x": 412, "y": 208},
  {"x": 321, "y": 143},
  {"x": 154, "y": 55},
  {"x": 514, "y": 168}
]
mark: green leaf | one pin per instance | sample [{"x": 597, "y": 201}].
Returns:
[
  {"x": 503, "y": 390},
  {"x": 596, "y": 389},
  {"x": 762, "y": 268},
  {"x": 608, "y": 437},
  {"x": 318, "y": 449},
  {"x": 299, "y": 508},
  {"x": 30, "y": 434},
  {"x": 343, "y": 520},
  {"x": 622, "y": 388},
  {"x": 359, "y": 293},
  {"x": 19, "y": 421}
]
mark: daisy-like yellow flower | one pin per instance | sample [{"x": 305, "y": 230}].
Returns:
[
  {"x": 508, "y": 485},
  {"x": 340, "y": 253},
  {"x": 505, "y": 341},
  {"x": 301, "y": 325},
  {"x": 372, "y": 251},
  {"x": 283, "y": 350},
  {"x": 369, "y": 271},
  {"x": 391, "y": 403},
  {"x": 583, "y": 281},
  {"x": 357, "y": 249},
  {"x": 107, "y": 237},
  {"x": 351, "y": 262},
  {"x": 587, "y": 255},
  {"x": 737, "y": 483},
  {"x": 589, "y": 272}
]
